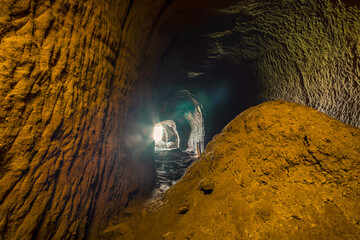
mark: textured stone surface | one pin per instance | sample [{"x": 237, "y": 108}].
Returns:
[
  {"x": 282, "y": 171},
  {"x": 71, "y": 85},
  {"x": 68, "y": 74},
  {"x": 300, "y": 51},
  {"x": 72, "y": 80},
  {"x": 206, "y": 185}
]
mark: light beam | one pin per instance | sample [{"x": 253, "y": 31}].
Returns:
[{"x": 158, "y": 133}]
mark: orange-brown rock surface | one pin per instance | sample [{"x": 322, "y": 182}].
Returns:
[
  {"x": 280, "y": 171},
  {"x": 73, "y": 81},
  {"x": 71, "y": 85},
  {"x": 68, "y": 74}
]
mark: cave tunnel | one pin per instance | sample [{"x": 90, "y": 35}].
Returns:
[
  {"x": 178, "y": 139},
  {"x": 187, "y": 119},
  {"x": 257, "y": 102},
  {"x": 165, "y": 135}
]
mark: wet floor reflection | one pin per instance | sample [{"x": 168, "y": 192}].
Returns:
[{"x": 170, "y": 167}]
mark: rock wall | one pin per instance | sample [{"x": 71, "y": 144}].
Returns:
[
  {"x": 68, "y": 75},
  {"x": 306, "y": 52},
  {"x": 300, "y": 51},
  {"x": 73, "y": 80},
  {"x": 72, "y": 91}
]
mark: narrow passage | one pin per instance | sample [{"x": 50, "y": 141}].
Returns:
[{"x": 170, "y": 167}]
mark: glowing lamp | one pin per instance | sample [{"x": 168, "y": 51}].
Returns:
[{"x": 158, "y": 133}]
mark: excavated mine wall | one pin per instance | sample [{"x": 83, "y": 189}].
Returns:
[{"x": 73, "y": 77}]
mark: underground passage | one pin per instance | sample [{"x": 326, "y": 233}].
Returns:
[
  {"x": 166, "y": 136},
  {"x": 169, "y": 119},
  {"x": 177, "y": 142}
]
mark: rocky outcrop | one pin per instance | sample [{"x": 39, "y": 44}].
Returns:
[{"x": 278, "y": 171}]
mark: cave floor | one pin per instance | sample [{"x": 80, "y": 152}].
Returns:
[
  {"x": 170, "y": 167},
  {"x": 278, "y": 171}
]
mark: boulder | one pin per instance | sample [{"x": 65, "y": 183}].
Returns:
[{"x": 282, "y": 171}]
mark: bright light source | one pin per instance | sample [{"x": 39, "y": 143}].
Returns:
[{"x": 158, "y": 133}]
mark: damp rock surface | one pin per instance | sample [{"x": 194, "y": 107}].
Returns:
[
  {"x": 170, "y": 167},
  {"x": 283, "y": 171}
]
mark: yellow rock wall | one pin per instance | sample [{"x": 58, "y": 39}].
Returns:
[
  {"x": 68, "y": 71},
  {"x": 72, "y": 79}
]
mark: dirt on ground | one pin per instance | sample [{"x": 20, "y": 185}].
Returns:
[{"x": 277, "y": 171}]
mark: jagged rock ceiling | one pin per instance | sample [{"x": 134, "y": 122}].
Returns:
[{"x": 76, "y": 75}]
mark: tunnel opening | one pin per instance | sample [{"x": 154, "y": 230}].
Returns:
[
  {"x": 217, "y": 90},
  {"x": 225, "y": 84},
  {"x": 76, "y": 137},
  {"x": 186, "y": 128},
  {"x": 166, "y": 136},
  {"x": 178, "y": 138}
]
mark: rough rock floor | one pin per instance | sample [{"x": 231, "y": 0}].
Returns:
[
  {"x": 170, "y": 167},
  {"x": 278, "y": 171}
]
